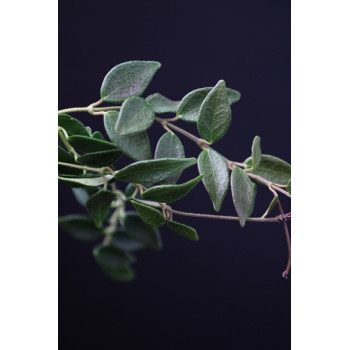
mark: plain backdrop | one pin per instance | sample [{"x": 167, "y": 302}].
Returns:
[{"x": 224, "y": 291}]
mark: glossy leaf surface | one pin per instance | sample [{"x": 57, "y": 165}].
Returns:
[
  {"x": 100, "y": 159},
  {"x": 90, "y": 144},
  {"x": 183, "y": 230},
  {"x": 162, "y": 104},
  {"x": 148, "y": 214}
]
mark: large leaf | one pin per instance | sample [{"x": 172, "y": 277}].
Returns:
[
  {"x": 214, "y": 116},
  {"x": 256, "y": 152},
  {"x": 243, "y": 194},
  {"x": 98, "y": 206},
  {"x": 136, "y": 147},
  {"x": 65, "y": 157},
  {"x": 122, "y": 240},
  {"x": 139, "y": 230},
  {"x": 128, "y": 79},
  {"x": 148, "y": 214},
  {"x": 162, "y": 104},
  {"x": 136, "y": 115},
  {"x": 101, "y": 158},
  {"x": 71, "y": 125},
  {"x": 170, "y": 193},
  {"x": 90, "y": 144},
  {"x": 216, "y": 178},
  {"x": 154, "y": 170},
  {"x": 271, "y": 168},
  {"x": 189, "y": 107},
  {"x": 80, "y": 227},
  {"x": 86, "y": 180},
  {"x": 170, "y": 146},
  {"x": 183, "y": 230}
]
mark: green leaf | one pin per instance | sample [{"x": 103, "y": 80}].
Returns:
[
  {"x": 243, "y": 194},
  {"x": 98, "y": 206},
  {"x": 136, "y": 147},
  {"x": 271, "y": 168},
  {"x": 189, "y": 106},
  {"x": 97, "y": 135},
  {"x": 183, "y": 230},
  {"x": 83, "y": 194},
  {"x": 271, "y": 206},
  {"x": 139, "y": 230},
  {"x": 216, "y": 178},
  {"x": 120, "y": 274},
  {"x": 86, "y": 180},
  {"x": 289, "y": 186},
  {"x": 122, "y": 240},
  {"x": 100, "y": 159},
  {"x": 128, "y": 79},
  {"x": 170, "y": 146},
  {"x": 80, "y": 227},
  {"x": 148, "y": 214},
  {"x": 256, "y": 152},
  {"x": 90, "y": 144},
  {"x": 65, "y": 157},
  {"x": 214, "y": 116},
  {"x": 71, "y": 125},
  {"x": 152, "y": 171},
  {"x": 129, "y": 191},
  {"x": 170, "y": 193},
  {"x": 162, "y": 104},
  {"x": 136, "y": 115}
]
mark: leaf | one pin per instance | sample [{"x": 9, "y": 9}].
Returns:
[
  {"x": 97, "y": 135},
  {"x": 214, "y": 115},
  {"x": 162, "y": 104},
  {"x": 271, "y": 206},
  {"x": 128, "y": 79},
  {"x": 154, "y": 170},
  {"x": 90, "y": 144},
  {"x": 170, "y": 146},
  {"x": 183, "y": 230},
  {"x": 98, "y": 206},
  {"x": 136, "y": 115},
  {"x": 122, "y": 240},
  {"x": 243, "y": 194},
  {"x": 71, "y": 125},
  {"x": 129, "y": 191},
  {"x": 100, "y": 159},
  {"x": 87, "y": 180},
  {"x": 271, "y": 168},
  {"x": 83, "y": 194},
  {"x": 170, "y": 193},
  {"x": 120, "y": 274},
  {"x": 139, "y": 230},
  {"x": 189, "y": 106},
  {"x": 65, "y": 157},
  {"x": 136, "y": 147},
  {"x": 80, "y": 227},
  {"x": 216, "y": 178},
  {"x": 148, "y": 214},
  {"x": 256, "y": 152},
  {"x": 289, "y": 186}
]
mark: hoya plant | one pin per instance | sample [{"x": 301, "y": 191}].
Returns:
[{"x": 125, "y": 206}]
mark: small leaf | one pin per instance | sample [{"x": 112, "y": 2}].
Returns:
[
  {"x": 97, "y": 135},
  {"x": 80, "y": 227},
  {"x": 128, "y": 79},
  {"x": 86, "y": 180},
  {"x": 152, "y": 171},
  {"x": 100, "y": 159},
  {"x": 289, "y": 186},
  {"x": 65, "y": 157},
  {"x": 170, "y": 193},
  {"x": 136, "y": 115},
  {"x": 183, "y": 230},
  {"x": 271, "y": 206},
  {"x": 216, "y": 178},
  {"x": 122, "y": 240},
  {"x": 71, "y": 125},
  {"x": 83, "y": 194},
  {"x": 256, "y": 152},
  {"x": 214, "y": 116},
  {"x": 120, "y": 274},
  {"x": 148, "y": 214},
  {"x": 243, "y": 194},
  {"x": 90, "y": 144},
  {"x": 136, "y": 147},
  {"x": 170, "y": 146},
  {"x": 271, "y": 168},
  {"x": 98, "y": 206},
  {"x": 139, "y": 230},
  {"x": 162, "y": 104}
]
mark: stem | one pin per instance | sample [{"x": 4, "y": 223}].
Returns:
[
  {"x": 82, "y": 167},
  {"x": 90, "y": 109},
  {"x": 284, "y": 221}
]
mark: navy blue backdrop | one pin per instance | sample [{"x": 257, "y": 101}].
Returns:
[{"x": 225, "y": 291}]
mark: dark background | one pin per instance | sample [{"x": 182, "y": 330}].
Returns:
[{"x": 225, "y": 291}]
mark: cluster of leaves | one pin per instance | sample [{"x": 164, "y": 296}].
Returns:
[{"x": 88, "y": 163}]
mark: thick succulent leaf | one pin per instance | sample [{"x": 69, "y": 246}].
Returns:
[
  {"x": 111, "y": 257},
  {"x": 170, "y": 146},
  {"x": 148, "y": 214},
  {"x": 136, "y": 147},
  {"x": 171, "y": 193},
  {"x": 98, "y": 206},
  {"x": 122, "y": 240},
  {"x": 65, "y": 157},
  {"x": 128, "y": 79},
  {"x": 136, "y": 115},
  {"x": 80, "y": 227},
  {"x": 162, "y": 104},
  {"x": 154, "y": 170},
  {"x": 139, "y": 230},
  {"x": 71, "y": 125},
  {"x": 213, "y": 166},
  {"x": 183, "y": 230},
  {"x": 84, "y": 180},
  {"x": 243, "y": 194},
  {"x": 256, "y": 152},
  {"x": 271, "y": 168},
  {"x": 90, "y": 144},
  {"x": 101, "y": 158},
  {"x": 214, "y": 115}
]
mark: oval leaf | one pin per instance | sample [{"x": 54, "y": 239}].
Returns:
[
  {"x": 71, "y": 125},
  {"x": 148, "y": 214},
  {"x": 214, "y": 116},
  {"x": 87, "y": 180},
  {"x": 100, "y": 159},
  {"x": 183, "y": 230},
  {"x": 128, "y": 79},
  {"x": 97, "y": 135},
  {"x": 122, "y": 240},
  {"x": 110, "y": 256},
  {"x": 216, "y": 178},
  {"x": 243, "y": 194},
  {"x": 90, "y": 144},
  {"x": 162, "y": 104},
  {"x": 256, "y": 152}
]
